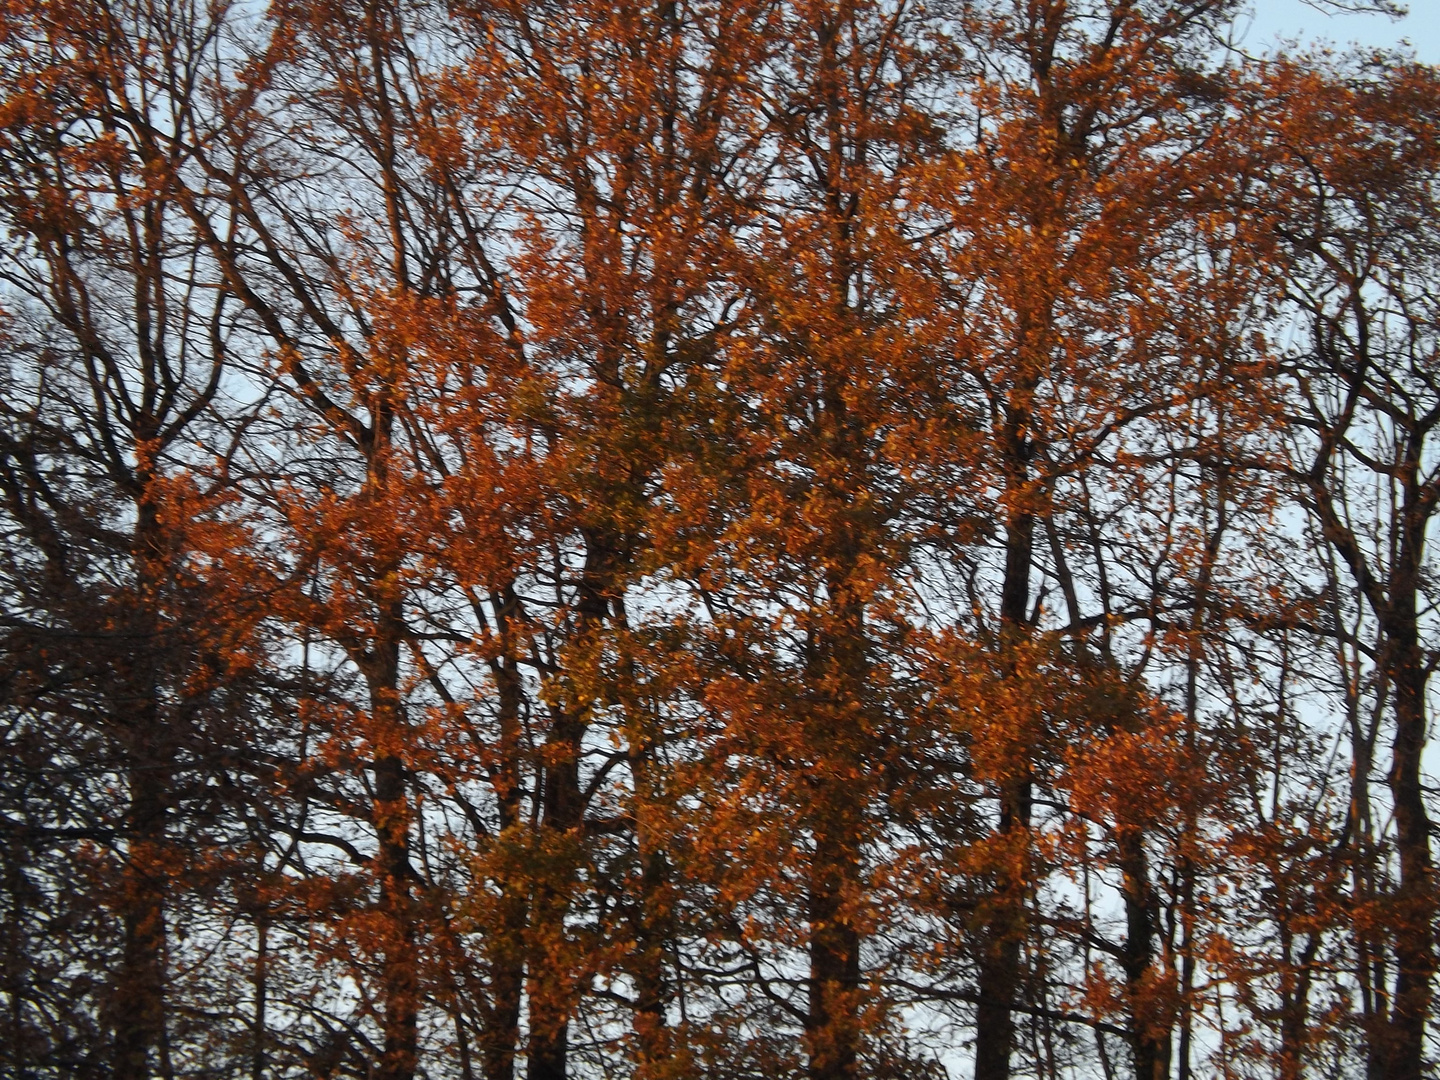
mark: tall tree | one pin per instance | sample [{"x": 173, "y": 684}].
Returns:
[
  {"x": 1359, "y": 177},
  {"x": 1058, "y": 276},
  {"x": 114, "y": 667}
]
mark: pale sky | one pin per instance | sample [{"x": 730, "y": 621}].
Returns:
[{"x": 1274, "y": 19}]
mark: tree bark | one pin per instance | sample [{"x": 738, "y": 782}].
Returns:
[
  {"x": 832, "y": 1024},
  {"x": 1150, "y": 1038},
  {"x": 505, "y": 946},
  {"x": 1414, "y": 901},
  {"x": 400, "y": 959},
  {"x": 139, "y": 1002},
  {"x": 1002, "y": 936},
  {"x": 551, "y": 992}
]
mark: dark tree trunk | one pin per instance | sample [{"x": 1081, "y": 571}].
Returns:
[
  {"x": 1000, "y": 958},
  {"x": 1150, "y": 1030},
  {"x": 1003, "y": 935},
  {"x": 551, "y": 992},
  {"x": 549, "y": 978},
  {"x": 139, "y": 1003},
  {"x": 400, "y": 976},
  {"x": 832, "y": 1028},
  {"x": 1415, "y": 907},
  {"x": 506, "y": 946},
  {"x": 655, "y": 1047}
]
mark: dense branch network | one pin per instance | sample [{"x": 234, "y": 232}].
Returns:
[{"x": 744, "y": 538}]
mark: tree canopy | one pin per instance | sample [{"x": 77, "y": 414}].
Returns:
[{"x": 727, "y": 539}]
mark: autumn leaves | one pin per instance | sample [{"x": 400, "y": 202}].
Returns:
[{"x": 737, "y": 539}]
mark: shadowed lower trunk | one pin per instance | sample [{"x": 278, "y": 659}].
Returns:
[
  {"x": 550, "y": 980},
  {"x": 507, "y": 984},
  {"x": 550, "y": 990},
  {"x": 1295, "y": 1009},
  {"x": 505, "y": 945},
  {"x": 139, "y": 1009},
  {"x": 400, "y": 976},
  {"x": 1415, "y": 906},
  {"x": 1003, "y": 936},
  {"x": 1150, "y": 1027},
  {"x": 139, "y": 1002},
  {"x": 832, "y": 1028},
  {"x": 655, "y": 1046}
]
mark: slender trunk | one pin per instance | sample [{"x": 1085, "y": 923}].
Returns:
[
  {"x": 833, "y": 1024},
  {"x": 505, "y": 946},
  {"x": 551, "y": 990},
  {"x": 393, "y": 819},
  {"x": 140, "y": 987},
  {"x": 1415, "y": 906},
  {"x": 399, "y": 964},
  {"x": 1368, "y": 972},
  {"x": 1000, "y": 959},
  {"x": 841, "y": 749},
  {"x": 1295, "y": 1010},
  {"x": 653, "y": 926},
  {"x": 1184, "y": 1051},
  {"x": 1002, "y": 938},
  {"x": 1150, "y": 1039},
  {"x": 462, "y": 1045},
  {"x": 832, "y": 1027},
  {"x": 501, "y": 1036},
  {"x": 1187, "y": 873},
  {"x": 1295, "y": 972},
  {"x": 261, "y": 976},
  {"x": 655, "y": 1045},
  {"x": 656, "y": 1050},
  {"x": 139, "y": 1004}
]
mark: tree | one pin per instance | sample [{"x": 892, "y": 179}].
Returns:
[
  {"x": 1073, "y": 286},
  {"x": 125, "y": 703},
  {"x": 1358, "y": 184}
]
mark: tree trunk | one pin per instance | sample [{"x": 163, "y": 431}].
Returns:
[
  {"x": 1295, "y": 1008},
  {"x": 140, "y": 987},
  {"x": 1002, "y": 937},
  {"x": 656, "y": 1050},
  {"x": 1150, "y": 1039},
  {"x": 832, "y": 1028},
  {"x": 505, "y": 945},
  {"x": 393, "y": 819},
  {"x": 999, "y": 975},
  {"x": 550, "y": 991},
  {"x": 139, "y": 1004},
  {"x": 655, "y": 1046},
  {"x": 1415, "y": 906},
  {"x": 400, "y": 977}
]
